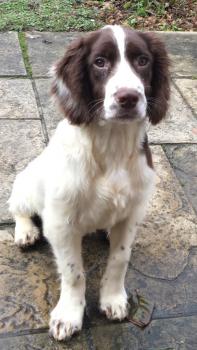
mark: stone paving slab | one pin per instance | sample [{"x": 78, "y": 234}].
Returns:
[
  {"x": 45, "y": 48},
  {"x": 52, "y": 114},
  {"x": 184, "y": 161},
  {"x": 188, "y": 89},
  {"x": 7, "y": 234},
  {"x": 17, "y": 99},
  {"x": 169, "y": 230},
  {"x": 20, "y": 141},
  {"x": 33, "y": 275},
  {"x": 179, "y": 126},
  {"x": 11, "y": 60},
  {"x": 42, "y": 342},
  {"x": 183, "y": 52},
  {"x": 169, "y": 334}
]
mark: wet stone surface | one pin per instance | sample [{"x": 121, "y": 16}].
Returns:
[
  {"x": 183, "y": 53},
  {"x": 42, "y": 341},
  {"x": 32, "y": 274},
  {"x": 188, "y": 88},
  {"x": 172, "y": 296},
  {"x": 6, "y": 234},
  {"x": 17, "y": 99},
  {"x": 20, "y": 142},
  {"x": 184, "y": 162},
  {"x": 51, "y": 112},
  {"x": 169, "y": 230},
  {"x": 171, "y": 334},
  {"x": 11, "y": 61},
  {"x": 179, "y": 125},
  {"x": 45, "y": 49}
]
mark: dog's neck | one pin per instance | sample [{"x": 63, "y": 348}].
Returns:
[{"x": 114, "y": 143}]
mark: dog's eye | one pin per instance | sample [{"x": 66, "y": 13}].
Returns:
[
  {"x": 142, "y": 60},
  {"x": 100, "y": 62}
]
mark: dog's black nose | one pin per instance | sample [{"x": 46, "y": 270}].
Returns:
[{"x": 127, "y": 98}]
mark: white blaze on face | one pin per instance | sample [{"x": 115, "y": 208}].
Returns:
[{"x": 122, "y": 77}]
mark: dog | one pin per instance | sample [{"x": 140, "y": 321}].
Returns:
[{"x": 97, "y": 170}]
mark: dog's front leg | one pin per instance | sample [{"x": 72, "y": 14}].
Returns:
[
  {"x": 113, "y": 297},
  {"x": 67, "y": 316}
]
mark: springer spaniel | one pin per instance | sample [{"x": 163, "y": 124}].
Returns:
[{"x": 97, "y": 170}]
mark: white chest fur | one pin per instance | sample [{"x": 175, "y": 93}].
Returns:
[{"x": 100, "y": 173}]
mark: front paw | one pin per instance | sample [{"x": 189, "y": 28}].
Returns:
[
  {"x": 26, "y": 236},
  {"x": 115, "y": 306},
  {"x": 65, "y": 321}
]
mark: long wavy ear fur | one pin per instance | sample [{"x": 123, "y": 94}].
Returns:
[
  {"x": 71, "y": 85},
  {"x": 160, "y": 84}
]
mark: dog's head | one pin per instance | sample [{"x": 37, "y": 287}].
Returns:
[{"x": 113, "y": 74}]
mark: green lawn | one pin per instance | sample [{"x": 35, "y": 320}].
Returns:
[
  {"x": 79, "y": 15},
  {"x": 52, "y": 15}
]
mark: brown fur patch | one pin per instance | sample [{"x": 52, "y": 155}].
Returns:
[
  {"x": 147, "y": 152},
  {"x": 160, "y": 82}
]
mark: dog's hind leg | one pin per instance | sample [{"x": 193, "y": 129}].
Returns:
[{"x": 26, "y": 201}]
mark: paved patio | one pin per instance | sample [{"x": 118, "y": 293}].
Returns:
[{"x": 163, "y": 265}]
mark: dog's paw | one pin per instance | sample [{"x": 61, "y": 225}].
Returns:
[
  {"x": 65, "y": 322},
  {"x": 26, "y": 236},
  {"x": 114, "y": 306},
  {"x": 62, "y": 329}
]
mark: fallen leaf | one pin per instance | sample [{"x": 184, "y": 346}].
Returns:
[{"x": 141, "y": 310}]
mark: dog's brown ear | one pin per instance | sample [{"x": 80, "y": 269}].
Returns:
[
  {"x": 72, "y": 67},
  {"x": 160, "y": 83},
  {"x": 71, "y": 84}
]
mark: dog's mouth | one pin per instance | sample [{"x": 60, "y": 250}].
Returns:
[
  {"x": 122, "y": 118},
  {"x": 129, "y": 116}
]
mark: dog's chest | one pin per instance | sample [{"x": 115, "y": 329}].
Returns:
[
  {"x": 111, "y": 197},
  {"x": 115, "y": 188},
  {"x": 103, "y": 178}
]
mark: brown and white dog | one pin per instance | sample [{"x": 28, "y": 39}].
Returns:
[{"x": 97, "y": 170}]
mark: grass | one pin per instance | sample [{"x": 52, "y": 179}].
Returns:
[
  {"x": 24, "y": 49},
  {"x": 53, "y": 15},
  {"x": 144, "y": 8},
  {"x": 166, "y": 15},
  {"x": 72, "y": 15}
]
